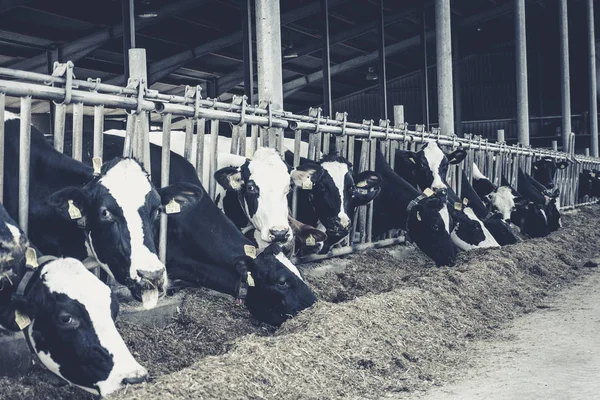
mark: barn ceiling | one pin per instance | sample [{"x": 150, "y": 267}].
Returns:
[{"x": 193, "y": 42}]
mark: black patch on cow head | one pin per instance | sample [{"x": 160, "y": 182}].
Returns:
[
  {"x": 467, "y": 230},
  {"x": 544, "y": 170},
  {"x": 500, "y": 230},
  {"x": 279, "y": 294}
]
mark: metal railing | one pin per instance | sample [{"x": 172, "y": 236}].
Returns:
[{"x": 494, "y": 159}]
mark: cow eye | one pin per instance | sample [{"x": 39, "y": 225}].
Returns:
[
  {"x": 105, "y": 214},
  {"x": 282, "y": 282},
  {"x": 251, "y": 188},
  {"x": 66, "y": 321}
]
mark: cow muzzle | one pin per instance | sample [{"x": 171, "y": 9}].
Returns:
[
  {"x": 149, "y": 287},
  {"x": 279, "y": 234}
]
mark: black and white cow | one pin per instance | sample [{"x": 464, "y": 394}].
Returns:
[
  {"x": 428, "y": 168},
  {"x": 425, "y": 218},
  {"x": 544, "y": 170},
  {"x": 537, "y": 193},
  {"x": 66, "y": 314},
  {"x": 500, "y": 199},
  {"x": 589, "y": 184},
  {"x": 110, "y": 217},
  {"x": 206, "y": 249},
  {"x": 331, "y": 192}
]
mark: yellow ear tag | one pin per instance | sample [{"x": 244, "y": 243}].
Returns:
[
  {"x": 593, "y": 175},
  {"x": 172, "y": 207},
  {"x": 307, "y": 184},
  {"x": 250, "y": 280},
  {"x": 562, "y": 166},
  {"x": 235, "y": 185},
  {"x": 97, "y": 164},
  {"x": 362, "y": 184},
  {"x": 465, "y": 201},
  {"x": 418, "y": 216},
  {"x": 458, "y": 206},
  {"x": 22, "y": 320},
  {"x": 250, "y": 251},
  {"x": 310, "y": 240},
  {"x": 74, "y": 212},
  {"x": 31, "y": 257},
  {"x": 428, "y": 192}
]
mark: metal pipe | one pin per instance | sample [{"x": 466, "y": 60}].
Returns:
[
  {"x": 425, "y": 78},
  {"x": 129, "y": 132},
  {"x": 248, "y": 55},
  {"x": 99, "y": 131},
  {"x": 565, "y": 87},
  {"x": 382, "y": 71},
  {"x": 592, "y": 74},
  {"x": 77, "y": 150},
  {"x": 2, "y": 105},
  {"x": 268, "y": 51},
  {"x": 24, "y": 163},
  {"x": 213, "y": 154},
  {"x": 200, "y": 129},
  {"x": 297, "y": 141},
  {"x": 457, "y": 87},
  {"x": 235, "y": 139},
  {"x": 342, "y": 251},
  {"x": 128, "y": 15},
  {"x": 373, "y": 148},
  {"x": 165, "y": 163},
  {"x": 189, "y": 136},
  {"x": 60, "y": 112},
  {"x": 443, "y": 34},
  {"x": 253, "y": 140},
  {"x": 326, "y": 58},
  {"x": 521, "y": 57}
]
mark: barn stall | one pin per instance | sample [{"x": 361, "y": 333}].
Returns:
[{"x": 357, "y": 288}]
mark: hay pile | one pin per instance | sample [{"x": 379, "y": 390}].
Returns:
[{"x": 387, "y": 323}]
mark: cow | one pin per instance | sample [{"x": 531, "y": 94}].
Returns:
[
  {"x": 67, "y": 315},
  {"x": 109, "y": 214},
  {"x": 206, "y": 249},
  {"x": 401, "y": 206},
  {"x": 428, "y": 168},
  {"x": 539, "y": 194},
  {"x": 589, "y": 184},
  {"x": 501, "y": 199},
  {"x": 544, "y": 170}
]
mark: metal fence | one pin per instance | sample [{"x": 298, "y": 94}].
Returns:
[{"x": 75, "y": 98}]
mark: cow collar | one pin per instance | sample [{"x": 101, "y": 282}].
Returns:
[
  {"x": 427, "y": 193},
  {"x": 31, "y": 264}
]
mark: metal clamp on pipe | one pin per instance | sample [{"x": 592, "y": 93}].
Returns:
[
  {"x": 140, "y": 85},
  {"x": 437, "y": 132},
  {"x": 96, "y": 83},
  {"x": 66, "y": 70},
  {"x": 343, "y": 117},
  {"x": 385, "y": 123},
  {"x": 240, "y": 101},
  {"x": 405, "y": 132},
  {"x": 315, "y": 112},
  {"x": 369, "y": 123}
]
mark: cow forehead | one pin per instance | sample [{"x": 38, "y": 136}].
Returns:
[
  {"x": 434, "y": 155},
  {"x": 69, "y": 276},
  {"x": 288, "y": 264},
  {"x": 337, "y": 171},
  {"x": 128, "y": 183},
  {"x": 267, "y": 169}
]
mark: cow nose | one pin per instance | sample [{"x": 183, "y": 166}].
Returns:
[
  {"x": 152, "y": 276},
  {"x": 279, "y": 235},
  {"x": 550, "y": 185},
  {"x": 135, "y": 379},
  {"x": 441, "y": 191}
]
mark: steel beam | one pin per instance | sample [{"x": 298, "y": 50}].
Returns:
[
  {"x": 565, "y": 87},
  {"x": 82, "y": 47},
  {"x": 382, "y": 72},
  {"x": 593, "y": 83},
  {"x": 443, "y": 35},
  {"x": 521, "y": 58}
]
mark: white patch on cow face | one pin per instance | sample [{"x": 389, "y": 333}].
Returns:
[
  {"x": 338, "y": 171},
  {"x": 129, "y": 185},
  {"x": 557, "y": 204},
  {"x": 69, "y": 277},
  {"x": 434, "y": 156},
  {"x": 288, "y": 264},
  {"x": 270, "y": 174},
  {"x": 445, "y": 217},
  {"x": 504, "y": 201},
  {"x": 477, "y": 175},
  {"x": 488, "y": 242}
]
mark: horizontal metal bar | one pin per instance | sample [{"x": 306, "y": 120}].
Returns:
[{"x": 341, "y": 251}]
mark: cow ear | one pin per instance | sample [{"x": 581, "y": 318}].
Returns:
[
  {"x": 230, "y": 178},
  {"x": 311, "y": 236},
  {"x": 179, "y": 197},
  {"x": 456, "y": 156},
  {"x": 368, "y": 180},
  {"x": 305, "y": 175},
  {"x": 562, "y": 164},
  {"x": 71, "y": 203},
  {"x": 407, "y": 156}
]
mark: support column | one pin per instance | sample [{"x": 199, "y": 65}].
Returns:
[
  {"x": 425, "y": 77},
  {"x": 128, "y": 33},
  {"x": 268, "y": 51},
  {"x": 565, "y": 76},
  {"x": 382, "y": 71},
  {"x": 593, "y": 83},
  {"x": 521, "y": 57},
  {"x": 326, "y": 58},
  {"x": 141, "y": 141},
  {"x": 456, "y": 83},
  {"x": 248, "y": 56},
  {"x": 443, "y": 35}
]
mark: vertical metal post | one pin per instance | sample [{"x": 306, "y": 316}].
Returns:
[
  {"x": 268, "y": 49},
  {"x": 382, "y": 71},
  {"x": 521, "y": 57},
  {"x": 99, "y": 132},
  {"x": 51, "y": 57},
  {"x": 297, "y": 142},
  {"x": 443, "y": 34},
  {"x": 373, "y": 149},
  {"x": 189, "y": 136},
  {"x": 60, "y": 111},
  {"x": 24, "y": 163},
  {"x": 554, "y": 145},
  {"x": 77, "y": 149},
  {"x": 593, "y": 83},
  {"x": 141, "y": 141},
  {"x": 248, "y": 61},
  {"x": 128, "y": 33},
  {"x": 456, "y": 83},
  {"x": 565, "y": 86},
  {"x": 326, "y": 58},
  {"x": 398, "y": 123},
  {"x": 2, "y": 105},
  {"x": 214, "y": 148},
  {"x": 200, "y": 128},
  {"x": 165, "y": 163},
  {"x": 425, "y": 78}
]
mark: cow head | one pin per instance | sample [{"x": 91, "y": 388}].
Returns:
[
  {"x": 118, "y": 210},
  {"x": 262, "y": 184},
  {"x": 503, "y": 201},
  {"x": 500, "y": 229},
  {"x": 469, "y": 232},
  {"x": 429, "y": 165},
  {"x": 428, "y": 225},
  {"x": 544, "y": 170},
  {"x": 70, "y": 315},
  {"x": 531, "y": 219},
  {"x": 279, "y": 290},
  {"x": 589, "y": 183},
  {"x": 335, "y": 192},
  {"x": 309, "y": 240}
]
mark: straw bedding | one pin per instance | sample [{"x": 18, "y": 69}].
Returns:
[{"x": 388, "y": 323}]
